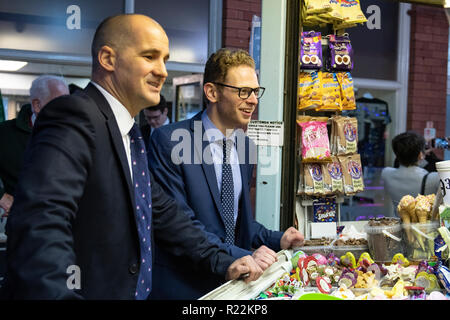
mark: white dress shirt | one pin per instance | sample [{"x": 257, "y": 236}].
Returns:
[
  {"x": 124, "y": 121},
  {"x": 215, "y": 138}
]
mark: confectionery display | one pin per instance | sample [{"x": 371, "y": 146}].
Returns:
[{"x": 360, "y": 279}]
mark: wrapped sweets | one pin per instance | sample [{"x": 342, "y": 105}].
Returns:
[
  {"x": 311, "y": 50},
  {"x": 331, "y": 92},
  {"x": 406, "y": 205},
  {"x": 352, "y": 173},
  {"x": 340, "y": 53},
  {"x": 351, "y": 13},
  {"x": 344, "y": 135},
  {"x": 348, "y": 101},
  {"x": 314, "y": 138},
  {"x": 309, "y": 90}
]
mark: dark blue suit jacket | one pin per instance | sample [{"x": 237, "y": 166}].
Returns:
[
  {"x": 74, "y": 205},
  {"x": 177, "y": 156}
]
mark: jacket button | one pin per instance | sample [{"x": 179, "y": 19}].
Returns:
[{"x": 133, "y": 268}]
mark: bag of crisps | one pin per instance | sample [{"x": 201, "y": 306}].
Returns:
[
  {"x": 332, "y": 176},
  {"x": 313, "y": 179}
]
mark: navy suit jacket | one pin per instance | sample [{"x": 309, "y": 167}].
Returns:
[
  {"x": 193, "y": 184},
  {"x": 74, "y": 205}
]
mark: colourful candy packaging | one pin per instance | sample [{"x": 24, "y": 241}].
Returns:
[
  {"x": 443, "y": 274},
  {"x": 311, "y": 50},
  {"x": 340, "y": 53},
  {"x": 324, "y": 210}
]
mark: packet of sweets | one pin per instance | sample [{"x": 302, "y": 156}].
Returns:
[
  {"x": 331, "y": 93},
  {"x": 348, "y": 101},
  {"x": 352, "y": 174},
  {"x": 311, "y": 50},
  {"x": 314, "y": 138},
  {"x": 308, "y": 90},
  {"x": 316, "y": 6},
  {"x": 313, "y": 179},
  {"x": 351, "y": 12},
  {"x": 324, "y": 210},
  {"x": 332, "y": 173},
  {"x": 346, "y": 135},
  {"x": 340, "y": 53},
  {"x": 335, "y": 15}
]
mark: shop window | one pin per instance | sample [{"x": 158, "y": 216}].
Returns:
[
  {"x": 186, "y": 24},
  {"x": 54, "y": 26},
  {"x": 375, "y": 43}
]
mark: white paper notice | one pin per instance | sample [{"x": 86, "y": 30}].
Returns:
[{"x": 266, "y": 133}]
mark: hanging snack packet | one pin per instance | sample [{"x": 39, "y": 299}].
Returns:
[
  {"x": 351, "y": 12},
  {"x": 314, "y": 138},
  {"x": 347, "y": 91},
  {"x": 316, "y": 6},
  {"x": 340, "y": 53},
  {"x": 311, "y": 50},
  {"x": 335, "y": 15},
  {"x": 332, "y": 176},
  {"x": 331, "y": 93},
  {"x": 352, "y": 174},
  {"x": 309, "y": 91},
  {"x": 346, "y": 135},
  {"x": 313, "y": 179},
  {"x": 324, "y": 210}
]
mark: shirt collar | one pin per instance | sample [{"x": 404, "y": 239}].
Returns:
[
  {"x": 123, "y": 118},
  {"x": 212, "y": 133}
]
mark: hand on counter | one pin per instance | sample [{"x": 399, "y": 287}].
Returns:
[
  {"x": 291, "y": 238},
  {"x": 264, "y": 257},
  {"x": 245, "y": 267}
]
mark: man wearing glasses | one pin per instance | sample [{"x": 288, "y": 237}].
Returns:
[{"x": 210, "y": 178}]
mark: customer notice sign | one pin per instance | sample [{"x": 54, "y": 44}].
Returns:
[{"x": 266, "y": 133}]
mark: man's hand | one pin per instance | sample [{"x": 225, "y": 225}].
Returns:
[
  {"x": 264, "y": 257},
  {"x": 291, "y": 238},
  {"x": 243, "y": 266},
  {"x": 6, "y": 202}
]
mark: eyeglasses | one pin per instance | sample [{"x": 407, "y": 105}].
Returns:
[{"x": 245, "y": 92}]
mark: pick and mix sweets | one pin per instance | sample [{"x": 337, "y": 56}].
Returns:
[{"x": 315, "y": 144}]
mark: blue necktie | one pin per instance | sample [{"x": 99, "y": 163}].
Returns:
[
  {"x": 142, "y": 196},
  {"x": 227, "y": 192}
]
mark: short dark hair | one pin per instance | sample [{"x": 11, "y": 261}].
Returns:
[
  {"x": 160, "y": 106},
  {"x": 407, "y": 147},
  {"x": 218, "y": 64},
  {"x": 114, "y": 32}
]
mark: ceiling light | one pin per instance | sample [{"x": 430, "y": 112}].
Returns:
[{"x": 10, "y": 65}]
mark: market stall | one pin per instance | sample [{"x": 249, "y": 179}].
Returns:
[{"x": 404, "y": 257}]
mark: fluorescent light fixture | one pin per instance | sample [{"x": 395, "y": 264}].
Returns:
[{"x": 10, "y": 65}]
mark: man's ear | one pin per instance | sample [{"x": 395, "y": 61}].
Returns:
[
  {"x": 210, "y": 91},
  {"x": 107, "y": 58},
  {"x": 36, "y": 105}
]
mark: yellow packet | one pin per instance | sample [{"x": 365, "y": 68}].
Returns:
[
  {"x": 335, "y": 15},
  {"x": 331, "y": 93},
  {"x": 308, "y": 90},
  {"x": 317, "y": 6},
  {"x": 351, "y": 12},
  {"x": 347, "y": 91}
]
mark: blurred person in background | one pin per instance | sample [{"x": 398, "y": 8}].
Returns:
[
  {"x": 15, "y": 133},
  {"x": 155, "y": 117}
]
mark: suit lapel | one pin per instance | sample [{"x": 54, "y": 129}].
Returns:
[
  {"x": 114, "y": 133},
  {"x": 201, "y": 150}
]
